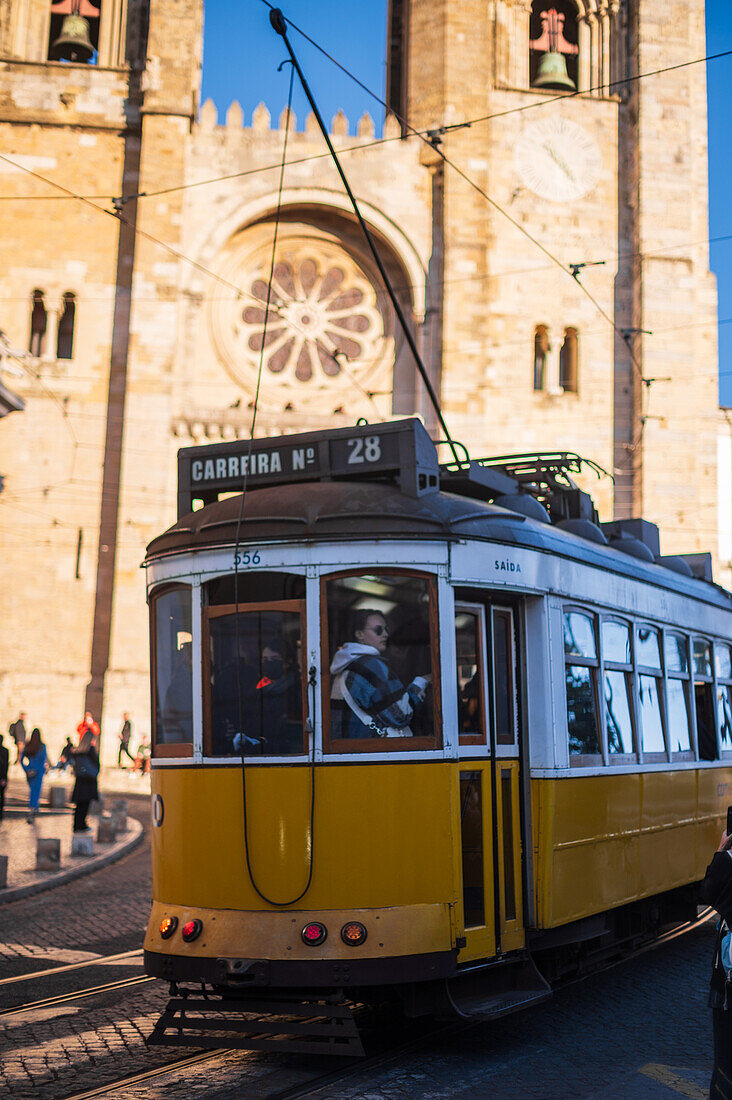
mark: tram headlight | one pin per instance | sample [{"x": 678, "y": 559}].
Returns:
[
  {"x": 353, "y": 933},
  {"x": 168, "y": 926},
  {"x": 192, "y": 930},
  {"x": 314, "y": 933}
]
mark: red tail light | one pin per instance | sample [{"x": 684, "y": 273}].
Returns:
[
  {"x": 314, "y": 933},
  {"x": 192, "y": 930}
]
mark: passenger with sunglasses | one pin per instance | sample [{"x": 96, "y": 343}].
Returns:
[{"x": 367, "y": 699}]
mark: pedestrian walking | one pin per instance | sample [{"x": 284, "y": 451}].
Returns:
[
  {"x": 85, "y": 760},
  {"x": 4, "y": 765},
  {"x": 18, "y": 734},
  {"x": 716, "y": 890},
  {"x": 124, "y": 740},
  {"x": 34, "y": 762}
]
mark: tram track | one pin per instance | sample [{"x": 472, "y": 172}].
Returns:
[
  {"x": 381, "y": 1058},
  {"x": 49, "y": 971},
  {"x": 76, "y": 995}
]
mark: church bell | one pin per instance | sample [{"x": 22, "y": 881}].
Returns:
[
  {"x": 552, "y": 72},
  {"x": 74, "y": 43}
]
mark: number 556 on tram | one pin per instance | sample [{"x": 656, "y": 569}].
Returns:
[{"x": 423, "y": 733}]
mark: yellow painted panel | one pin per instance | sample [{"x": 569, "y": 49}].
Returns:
[
  {"x": 383, "y": 835},
  {"x": 409, "y": 930},
  {"x": 600, "y": 841}
]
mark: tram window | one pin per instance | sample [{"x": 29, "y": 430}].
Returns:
[
  {"x": 724, "y": 715},
  {"x": 648, "y": 653},
  {"x": 584, "y": 738},
  {"x": 676, "y": 653},
  {"x": 380, "y": 646},
  {"x": 254, "y": 680},
  {"x": 723, "y": 665},
  {"x": 617, "y": 713},
  {"x": 723, "y": 661},
  {"x": 702, "y": 658},
  {"x": 503, "y": 677},
  {"x": 253, "y": 587},
  {"x": 172, "y": 667},
  {"x": 652, "y": 740},
  {"x": 678, "y": 716},
  {"x": 579, "y": 635},
  {"x": 469, "y": 646},
  {"x": 705, "y": 726},
  {"x": 471, "y": 830},
  {"x": 616, "y": 642}
]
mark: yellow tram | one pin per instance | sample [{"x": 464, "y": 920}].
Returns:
[{"x": 422, "y": 733}]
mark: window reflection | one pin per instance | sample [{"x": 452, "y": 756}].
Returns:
[
  {"x": 581, "y": 711},
  {"x": 172, "y": 671},
  {"x": 579, "y": 635},
  {"x": 617, "y": 713},
  {"x": 677, "y": 659},
  {"x": 648, "y": 653},
  {"x": 724, "y": 714},
  {"x": 650, "y": 715},
  {"x": 723, "y": 661},
  {"x": 616, "y": 642},
  {"x": 503, "y": 677},
  {"x": 678, "y": 717}
]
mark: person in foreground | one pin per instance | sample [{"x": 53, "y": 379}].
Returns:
[
  {"x": 34, "y": 761},
  {"x": 716, "y": 890},
  {"x": 85, "y": 760},
  {"x": 367, "y": 699}
]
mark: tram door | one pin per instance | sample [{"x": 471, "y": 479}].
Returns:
[{"x": 490, "y": 823}]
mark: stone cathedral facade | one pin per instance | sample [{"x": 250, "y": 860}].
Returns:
[{"x": 551, "y": 257}]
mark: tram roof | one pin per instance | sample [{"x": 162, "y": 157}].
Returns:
[{"x": 361, "y": 511}]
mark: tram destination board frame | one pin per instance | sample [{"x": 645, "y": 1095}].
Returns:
[{"x": 401, "y": 450}]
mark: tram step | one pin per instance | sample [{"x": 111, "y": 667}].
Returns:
[
  {"x": 497, "y": 991},
  {"x": 319, "y": 1026}
]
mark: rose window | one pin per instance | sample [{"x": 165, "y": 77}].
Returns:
[{"x": 323, "y": 318}]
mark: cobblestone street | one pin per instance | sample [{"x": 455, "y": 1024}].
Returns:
[{"x": 641, "y": 1030}]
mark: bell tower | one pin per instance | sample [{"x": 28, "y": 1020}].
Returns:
[{"x": 578, "y": 312}]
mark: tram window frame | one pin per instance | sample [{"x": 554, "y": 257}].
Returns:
[
  {"x": 626, "y": 669},
  {"x": 478, "y": 611},
  {"x": 723, "y": 681},
  {"x": 655, "y": 672},
  {"x": 505, "y": 743},
  {"x": 707, "y": 682},
  {"x": 370, "y": 745},
  {"x": 672, "y": 675},
  {"x": 584, "y": 759},
  {"x": 216, "y": 611},
  {"x": 167, "y": 749}
]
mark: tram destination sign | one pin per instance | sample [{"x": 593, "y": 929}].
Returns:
[{"x": 400, "y": 449}]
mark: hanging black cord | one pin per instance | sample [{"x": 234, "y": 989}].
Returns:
[
  {"x": 311, "y": 674},
  {"x": 278, "y": 22}
]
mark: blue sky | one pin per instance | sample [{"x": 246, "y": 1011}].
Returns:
[{"x": 242, "y": 54}]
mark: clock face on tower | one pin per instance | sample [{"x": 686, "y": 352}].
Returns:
[{"x": 557, "y": 159}]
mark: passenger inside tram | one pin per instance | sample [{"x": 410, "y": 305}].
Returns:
[
  {"x": 256, "y": 684},
  {"x": 368, "y": 697}
]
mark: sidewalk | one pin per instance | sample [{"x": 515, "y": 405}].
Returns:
[{"x": 18, "y": 840}]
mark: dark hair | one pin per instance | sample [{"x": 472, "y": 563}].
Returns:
[
  {"x": 362, "y": 616},
  {"x": 33, "y": 745}
]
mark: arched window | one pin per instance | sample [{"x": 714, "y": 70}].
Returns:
[
  {"x": 38, "y": 324},
  {"x": 568, "y": 375},
  {"x": 65, "y": 340},
  {"x": 553, "y": 45},
  {"x": 541, "y": 351}
]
